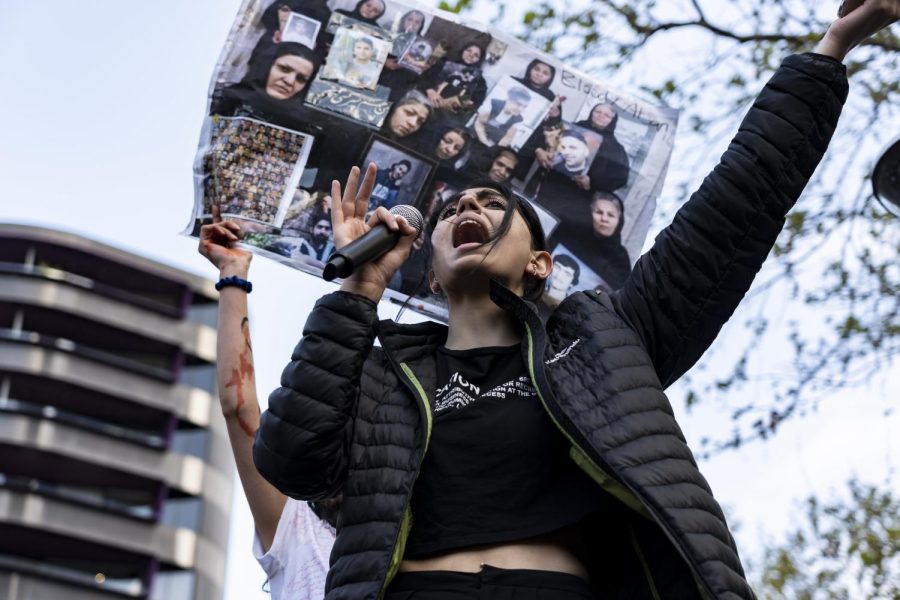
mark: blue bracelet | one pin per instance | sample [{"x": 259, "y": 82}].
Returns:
[{"x": 234, "y": 281}]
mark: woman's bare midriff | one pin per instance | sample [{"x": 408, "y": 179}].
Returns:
[{"x": 546, "y": 553}]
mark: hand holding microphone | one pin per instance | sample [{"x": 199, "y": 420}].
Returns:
[{"x": 373, "y": 250}]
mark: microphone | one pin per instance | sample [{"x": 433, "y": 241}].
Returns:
[{"x": 370, "y": 245}]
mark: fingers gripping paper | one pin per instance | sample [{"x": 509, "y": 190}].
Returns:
[{"x": 305, "y": 89}]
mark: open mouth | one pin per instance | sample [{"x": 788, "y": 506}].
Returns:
[{"x": 469, "y": 231}]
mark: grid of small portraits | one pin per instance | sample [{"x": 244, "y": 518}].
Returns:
[
  {"x": 250, "y": 168},
  {"x": 436, "y": 105}
]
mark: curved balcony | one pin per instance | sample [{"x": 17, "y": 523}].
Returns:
[
  {"x": 37, "y": 443},
  {"x": 61, "y": 362},
  {"x": 82, "y": 297}
]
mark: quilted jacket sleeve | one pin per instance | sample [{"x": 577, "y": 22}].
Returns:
[
  {"x": 687, "y": 286},
  {"x": 304, "y": 437}
]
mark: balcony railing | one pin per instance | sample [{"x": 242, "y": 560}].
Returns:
[
  {"x": 64, "y": 345},
  {"x": 45, "y": 411},
  {"x": 85, "y": 499},
  {"x": 122, "y": 588},
  {"x": 87, "y": 284}
]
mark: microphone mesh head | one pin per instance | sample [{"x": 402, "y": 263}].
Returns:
[{"x": 412, "y": 216}]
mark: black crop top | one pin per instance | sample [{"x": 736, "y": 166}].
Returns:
[{"x": 497, "y": 468}]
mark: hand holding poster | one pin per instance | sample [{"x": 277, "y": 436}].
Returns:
[{"x": 305, "y": 89}]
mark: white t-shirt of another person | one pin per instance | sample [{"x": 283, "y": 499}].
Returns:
[{"x": 297, "y": 562}]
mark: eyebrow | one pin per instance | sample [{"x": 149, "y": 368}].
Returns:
[{"x": 487, "y": 193}]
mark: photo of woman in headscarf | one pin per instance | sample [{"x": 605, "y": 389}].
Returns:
[
  {"x": 275, "y": 17},
  {"x": 406, "y": 29},
  {"x": 604, "y": 253},
  {"x": 273, "y": 88},
  {"x": 340, "y": 142},
  {"x": 456, "y": 87},
  {"x": 541, "y": 146},
  {"x": 609, "y": 170},
  {"x": 538, "y": 78},
  {"x": 366, "y": 11}
]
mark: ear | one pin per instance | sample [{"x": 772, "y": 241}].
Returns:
[
  {"x": 543, "y": 264},
  {"x": 433, "y": 284}
]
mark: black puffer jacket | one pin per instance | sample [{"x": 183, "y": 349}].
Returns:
[{"x": 357, "y": 419}]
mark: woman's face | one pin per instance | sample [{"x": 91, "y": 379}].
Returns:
[
  {"x": 371, "y": 9},
  {"x": 362, "y": 51},
  {"x": 540, "y": 74},
  {"x": 555, "y": 110},
  {"x": 461, "y": 258},
  {"x": 413, "y": 22},
  {"x": 288, "y": 76},
  {"x": 605, "y": 216},
  {"x": 471, "y": 55},
  {"x": 450, "y": 145},
  {"x": 408, "y": 119},
  {"x": 602, "y": 116},
  {"x": 573, "y": 151}
]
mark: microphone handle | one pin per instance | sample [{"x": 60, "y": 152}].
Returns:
[{"x": 366, "y": 247}]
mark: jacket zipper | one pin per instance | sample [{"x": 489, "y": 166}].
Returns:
[
  {"x": 621, "y": 491},
  {"x": 411, "y": 382}
]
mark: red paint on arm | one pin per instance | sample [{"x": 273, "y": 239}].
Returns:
[{"x": 238, "y": 377}]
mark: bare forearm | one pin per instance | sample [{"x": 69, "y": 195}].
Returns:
[
  {"x": 858, "y": 20},
  {"x": 234, "y": 366},
  {"x": 240, "y": 407},
  {"x": 829, "y": 46}
]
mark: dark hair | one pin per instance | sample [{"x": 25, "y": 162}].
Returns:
[
  {"x": 258, "y": 74},
  {"x": 515, "y": 203},
  {"x": 466, "y": 137},
  {"x": 504, "y": 150},
  {"x": 365, "y": 40},
  {"x": 567, "y": 261},
  {"x": 318, "y": 216},
  {"x": 402, "y": 162},
  {"x": 532, "y": 65},
  {"x": 480, "y": 50}
]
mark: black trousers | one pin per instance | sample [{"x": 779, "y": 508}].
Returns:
[{"x": 490, "y": 583}]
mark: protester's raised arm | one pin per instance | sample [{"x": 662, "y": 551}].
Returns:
[
  {"x": 859, "y": 20},
  {"x": 303, "y": 442},
  {"x": 690, "y": 282},
  {"x": 234, "y": 370}
]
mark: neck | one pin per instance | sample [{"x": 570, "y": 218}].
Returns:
[{"x": 476, "y": 322}]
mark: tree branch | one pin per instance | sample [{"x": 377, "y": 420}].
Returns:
[{"x": 648, "y": 30}]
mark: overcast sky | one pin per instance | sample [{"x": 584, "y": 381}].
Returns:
[{"x": 102, "y": 104}]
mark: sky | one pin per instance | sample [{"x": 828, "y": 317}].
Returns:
[{"x": 103, "y": 104}]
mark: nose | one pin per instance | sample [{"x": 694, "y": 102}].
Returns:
[{"x": 468, "y": 201}]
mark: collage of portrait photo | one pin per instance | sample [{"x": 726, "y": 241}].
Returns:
[{"x": 436, "y": 104}]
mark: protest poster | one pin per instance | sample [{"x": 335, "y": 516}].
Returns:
[{"x": 305, "y": 89}]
